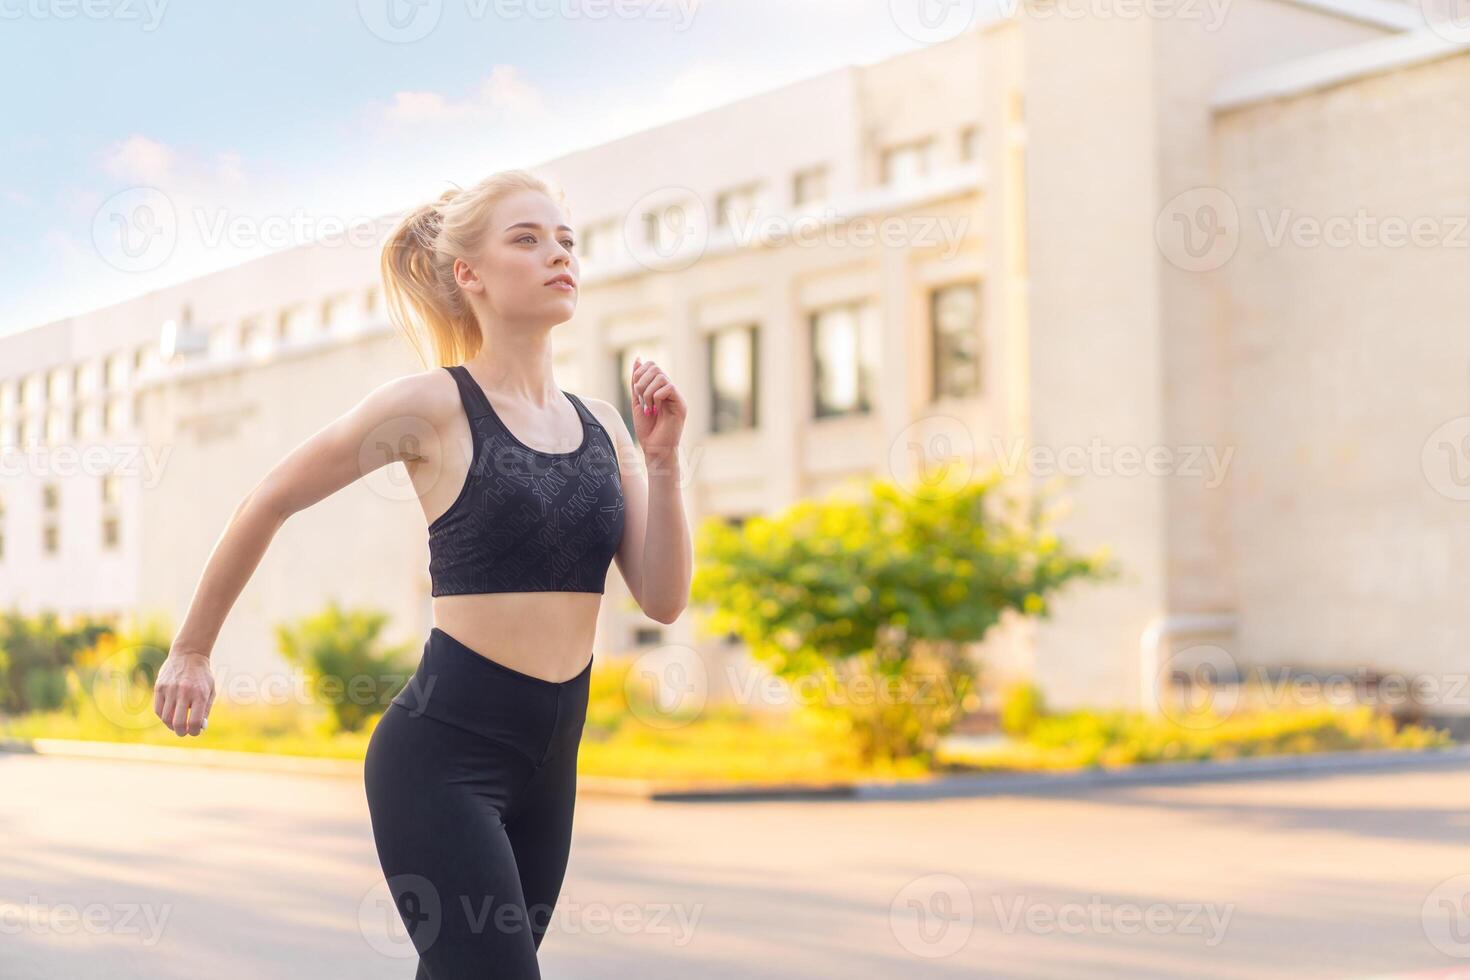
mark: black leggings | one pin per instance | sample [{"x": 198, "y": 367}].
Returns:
[{"x": 471, "y": 776}]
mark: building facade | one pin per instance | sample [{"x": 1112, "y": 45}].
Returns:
[{"x": 1000, "y": 243}]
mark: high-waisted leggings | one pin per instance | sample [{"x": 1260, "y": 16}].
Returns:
[{"x": 471, "y": 777}]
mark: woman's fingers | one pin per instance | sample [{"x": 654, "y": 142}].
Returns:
[
  {"x": 649, "y": 374},
  {"x": 655, "y": 387}
]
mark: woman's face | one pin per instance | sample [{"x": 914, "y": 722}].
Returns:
[{"x": 528, "y": 243}]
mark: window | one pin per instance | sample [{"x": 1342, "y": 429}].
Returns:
[
  {"x": 969, "y": 143},
  {"x": 954, "y": 316},
  {"x": 809, "y": 186},
  {"x": 55, "y": 429},
  {"x": 600, "y": 241},
  {"x": 294, "y": 323},
  {"x": 50, "y": 503},
  {"x": 731, "y": 354},
  {"x": 734, "y": 208},
  {"x": 844, "y": 359},
  {"x": 666, "y": 229},
  {"x": 2, "y": 528},
  {"x": 250, "y": 335},
  {"x": 117, "y": 371},
  {"x": 907, "y": 165},
  {"x": 372, "y": 303},
  {"x": 111, "y": 499}
]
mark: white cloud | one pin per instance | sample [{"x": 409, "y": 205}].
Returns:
[{"x": 503, "y": 94}]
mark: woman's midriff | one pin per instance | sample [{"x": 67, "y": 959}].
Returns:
[{"x": 545, "y": 634}]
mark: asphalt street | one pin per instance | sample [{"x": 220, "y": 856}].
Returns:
[{"x": 144, "y": 870}]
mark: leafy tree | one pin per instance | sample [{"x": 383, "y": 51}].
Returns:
[{"x": 865, "y": 606}]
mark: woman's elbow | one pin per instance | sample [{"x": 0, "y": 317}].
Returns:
[{"x": 664, "y": 614}]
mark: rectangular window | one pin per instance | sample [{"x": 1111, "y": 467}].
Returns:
[
  {"x": 733, "y": 361},
  {"x": 809, "y": 186},
  {"x": 667, "y": 230},
  {"x": 599, "y": 241},
  {"x": 970, "y": 143},
  {"x": 954, "y": 317},
  {"x": 907, "y": 165},
  {"x": 110, "y": 534},
  {"x": 844, "y": 350},
  {"x": 734, "y": 208}
]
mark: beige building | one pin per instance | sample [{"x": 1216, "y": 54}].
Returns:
[{"x": 1046, "y": 236}]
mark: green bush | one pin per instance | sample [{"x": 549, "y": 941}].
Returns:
[
  {"x": 35, "y": 654},
  {"x": 1022, "y": 707},
  {"x": 352, "y": 675}
]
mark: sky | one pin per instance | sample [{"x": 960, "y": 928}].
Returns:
[{"x": 348, "y": 108}]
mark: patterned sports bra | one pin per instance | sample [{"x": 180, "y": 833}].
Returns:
[{"x": 526, "y": 520}]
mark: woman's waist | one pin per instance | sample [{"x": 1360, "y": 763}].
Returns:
[{"x": 548, "y": 635}]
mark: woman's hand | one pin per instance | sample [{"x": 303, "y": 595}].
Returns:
[
  {"x": 184, "y": 693},
  {"x": 659, "y": 410}
]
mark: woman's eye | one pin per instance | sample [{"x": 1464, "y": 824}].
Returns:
[
  {"x": 568, "y": 242},
  {"x": 524, "y": 237}
]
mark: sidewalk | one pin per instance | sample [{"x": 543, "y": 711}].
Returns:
[{"x": 936, "y": 788}]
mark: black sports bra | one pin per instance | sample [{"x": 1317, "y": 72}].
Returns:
[{"x": 527, "y": 520}]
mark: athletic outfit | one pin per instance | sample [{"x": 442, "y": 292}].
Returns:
[{"x": 471, "y": 772}]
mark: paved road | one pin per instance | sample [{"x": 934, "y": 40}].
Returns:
[{"x": 132, "y": 870}]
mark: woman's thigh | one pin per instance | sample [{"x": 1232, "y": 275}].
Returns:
[
  {"x": 436, "y": 796},
  {"x": 539, "y": 826}
]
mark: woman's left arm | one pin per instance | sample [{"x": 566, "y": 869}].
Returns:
[{"x": 656, "y": 557}]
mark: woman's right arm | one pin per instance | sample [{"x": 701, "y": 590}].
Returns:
[{"x": 388, "y": 425}]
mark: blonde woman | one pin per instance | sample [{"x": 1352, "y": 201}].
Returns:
[{"x": 529, "y": 494}]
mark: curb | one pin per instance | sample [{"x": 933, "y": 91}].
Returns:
[
  {"x": 216, "y": 758},
  {"x": 936, "y": 788}
]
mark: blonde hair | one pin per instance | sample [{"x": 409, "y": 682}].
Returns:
[{"x": 419, "y": 290}]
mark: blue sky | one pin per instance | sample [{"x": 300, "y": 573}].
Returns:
[{"x": 276, "y": 107}]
